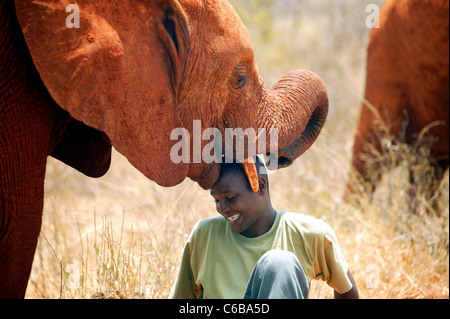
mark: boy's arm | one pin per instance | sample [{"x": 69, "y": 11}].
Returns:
[
  {"x": 352, "y": 294},
  {"x": 335, "y": 268},
  {"x": 184, "y": 286}
]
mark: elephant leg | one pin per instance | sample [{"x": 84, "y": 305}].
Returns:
[
  {"x": 18, "y": 240},
  {"x": 382, "y": 118},
  {"x": 26, "y": 142},
  {"x": 22, "y": 177},
  {"x": 22, "y": 174}
]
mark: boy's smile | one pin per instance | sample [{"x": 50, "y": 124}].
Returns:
[{"x": 246, "y": 211}]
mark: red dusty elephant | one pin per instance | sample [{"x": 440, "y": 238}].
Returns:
[
  {"x": 127, "y": 76},
  {"x": 407, "y": 86}
]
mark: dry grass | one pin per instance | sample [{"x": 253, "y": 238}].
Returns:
[
  {"x": 126, "y": 241},
  {"x": 121, "y": 236}
]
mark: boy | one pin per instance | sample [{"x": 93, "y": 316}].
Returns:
[{"x": 252, "y": 251}]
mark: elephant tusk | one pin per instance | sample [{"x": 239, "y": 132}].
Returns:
[{"x": 252, "y": 174}]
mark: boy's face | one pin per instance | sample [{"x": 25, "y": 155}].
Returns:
[{"x": 241, "y": 206}]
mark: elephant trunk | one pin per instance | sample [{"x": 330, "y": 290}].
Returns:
[{"x": 298, "y": 108}]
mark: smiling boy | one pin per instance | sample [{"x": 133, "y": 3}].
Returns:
[{"x": 253, "y": 251}]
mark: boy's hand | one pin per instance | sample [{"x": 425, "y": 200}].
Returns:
[{"x": 352, "y": 294}]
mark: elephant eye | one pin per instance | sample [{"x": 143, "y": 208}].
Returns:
[
  {"x": 238, "y": 78},
  {"x": 239, "y": 81},
  {"x": 242, "y": 81}
]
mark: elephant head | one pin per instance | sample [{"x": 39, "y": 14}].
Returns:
[{"x": 137, "y": 70}]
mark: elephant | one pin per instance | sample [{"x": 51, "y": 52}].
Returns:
[
  {"x": 407, "y": 87},
  {"x": 126, "y": 74}
]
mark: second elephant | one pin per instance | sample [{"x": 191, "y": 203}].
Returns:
[{"x": 407, "y": 85}]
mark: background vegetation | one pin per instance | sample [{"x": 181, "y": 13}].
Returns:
[{"x": 123, "y": 235}]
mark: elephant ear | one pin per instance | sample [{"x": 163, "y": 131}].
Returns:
[
  {"x": 85, "y": 149},
  {"x": 117, "y": 70}
]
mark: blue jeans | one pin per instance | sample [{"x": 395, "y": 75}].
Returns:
[{"x": 277, "y": 275}]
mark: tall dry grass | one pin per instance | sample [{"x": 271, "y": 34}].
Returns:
[{"x": 121, "y": 236}]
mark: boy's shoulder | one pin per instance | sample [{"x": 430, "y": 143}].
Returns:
[
  {"x": 213, "y": 222},
  {"x": 209, "y": 225},
  {"x": 305, "y": 224}
]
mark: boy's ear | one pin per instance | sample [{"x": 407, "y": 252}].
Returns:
[{"x": 262, "y": 185}]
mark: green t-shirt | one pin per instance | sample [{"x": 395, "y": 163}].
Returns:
[{"x": 217, "y": 262}]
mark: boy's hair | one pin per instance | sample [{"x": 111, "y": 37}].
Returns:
[{"x": 236, "y": 165}]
